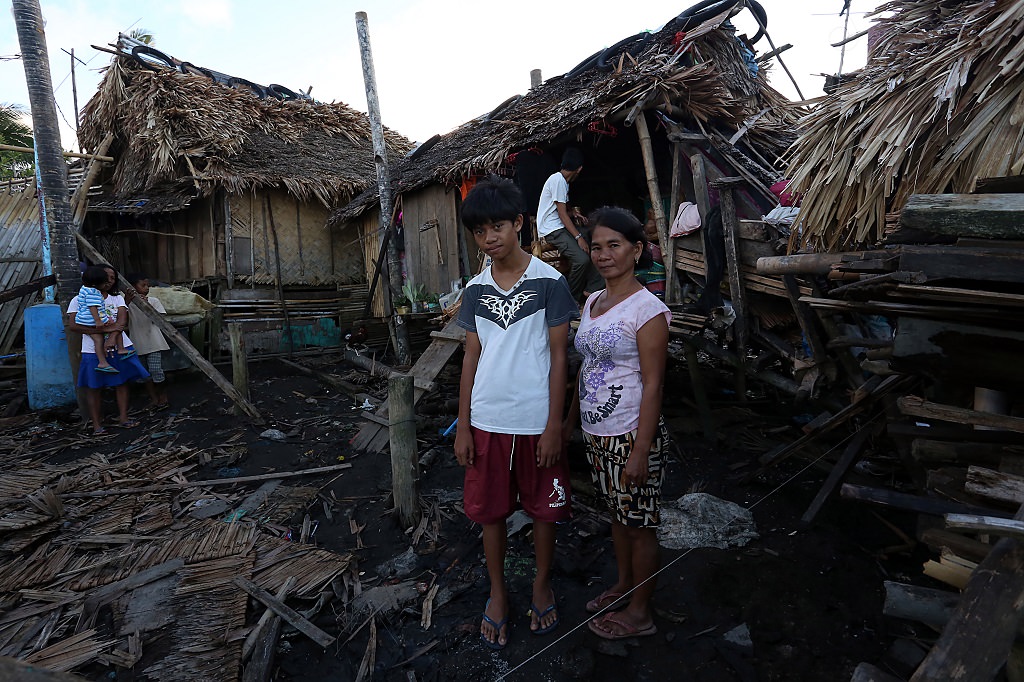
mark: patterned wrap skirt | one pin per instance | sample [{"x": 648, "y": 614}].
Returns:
[{"x": 637, "y": 506}]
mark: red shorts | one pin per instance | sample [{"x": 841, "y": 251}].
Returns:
[{"x": 505, "y": 475}]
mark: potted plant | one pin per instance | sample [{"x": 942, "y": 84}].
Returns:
[
  {"x": 432, "y": 304},
  {"x": 401, "y": 304},
  {"x": 416, "y": 295}
]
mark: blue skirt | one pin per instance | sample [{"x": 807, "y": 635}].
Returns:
[{"x": 129, "y": 369}]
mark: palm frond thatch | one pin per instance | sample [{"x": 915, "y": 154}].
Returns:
[
  {"x": 184, "y": 133},
  {"x": 706, "y": 82},
  {"x": 939, "y": 105}
]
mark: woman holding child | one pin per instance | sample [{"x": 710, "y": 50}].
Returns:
[
  {"x": 127, "y": 366},
  {"x": 623, "y": 338}
]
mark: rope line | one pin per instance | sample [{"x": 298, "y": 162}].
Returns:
[{"x": 669, "y": 565}]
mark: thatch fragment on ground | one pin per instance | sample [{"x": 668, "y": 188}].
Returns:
[
  {"x": 188, "y": 620},
  {"x": 938, "y": 106}
]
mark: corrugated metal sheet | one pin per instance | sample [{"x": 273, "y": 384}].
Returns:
[{"x": 20, "y": 254}]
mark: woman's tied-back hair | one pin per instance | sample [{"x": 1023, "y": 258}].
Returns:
[
  {"x": 492, "y": 200},
  {"x": 625, "y": 223}
]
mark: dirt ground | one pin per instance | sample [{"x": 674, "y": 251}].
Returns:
[{"x": 810, "y": 598}]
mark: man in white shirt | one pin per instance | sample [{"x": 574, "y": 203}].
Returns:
[{"x": 555, "y": 225}]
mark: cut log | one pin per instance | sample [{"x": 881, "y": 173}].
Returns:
[
  {"x": 995, "y": 485},
  {"x": 922, "y": 604},
  {"x": 938, "y": 539},
  {"x": 990, "y": 216},
  {"x": 802, "y": 264}
]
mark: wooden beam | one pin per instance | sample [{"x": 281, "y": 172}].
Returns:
[
  {"x": 802, "y": 264},
  {"x": 919, "y": 407},
  {"x": 922, "y": 604},
  {"x": 31, "y": 287},
  {"x": 673, "y": 293},
  {"x": 990, "y": 216},
  {"x": 172, "y": 334},
  {"x": 291, "y": 616},
  {"x": 405, "y": 471}
]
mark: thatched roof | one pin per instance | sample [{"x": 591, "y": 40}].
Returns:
[
  {"x": 938, "y": 106},
  {"x": 183, "y": 134},
  {"x": 704, "y": 80}
]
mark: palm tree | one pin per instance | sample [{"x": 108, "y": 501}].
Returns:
[
  {"x": 14, "y": 131},
  {"x": 52, "y": 171}
]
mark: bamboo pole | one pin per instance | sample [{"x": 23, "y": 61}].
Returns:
[
  {"x": 69, "y": 155},
  {"x": 647, "y": 150},
  {"x": 277, "y": 278},
  {"x": 177, "y": 339},
  {"x": 672, "y": 290},
  {"x": 239, "y": 361},
  {"x": 404, "y": 464}
]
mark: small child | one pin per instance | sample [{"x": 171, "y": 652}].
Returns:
[
  {"x": 92, "y": 314},
  {"x": 148, "y": 341}
]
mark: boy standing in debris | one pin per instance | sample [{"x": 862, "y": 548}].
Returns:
[
  {"x": 556, "y": 226},
  {"x": 516, "y": 313},
  {"x": 149, "y": 340}
]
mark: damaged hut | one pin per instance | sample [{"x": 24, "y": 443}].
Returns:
[
  {"x": 694, "y": 95},
  {"x": 226, "y": 185},
  {"x": 917, "y": 159}
]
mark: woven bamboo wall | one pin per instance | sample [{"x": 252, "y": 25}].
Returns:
[
  {"x": 20, "y": 256},
  {"x": 368, "y": 226},
  {"x": 310, "y": 254}
]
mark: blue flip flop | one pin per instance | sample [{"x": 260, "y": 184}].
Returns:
[
  {"x": 108, "y": 370},
  {"x": 540, "y": 616},
  {"x": 497, "y": 646}
]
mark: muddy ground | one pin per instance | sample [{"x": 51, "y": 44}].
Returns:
[{"x": 810, "y": 597}]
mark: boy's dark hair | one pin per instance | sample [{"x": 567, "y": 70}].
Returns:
[
  {"x": 94, "y": 276},
  {"x": 135, "y": 277},
  {"x": 625, "y": 223},
  {"x": 492, "y": 200},
  {"x": 572, "y": 159}
]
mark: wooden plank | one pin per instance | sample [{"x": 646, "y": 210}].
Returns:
[
  {"x": 990, "y": 216},
  {"x": 939, "y": 538},
  {"x": 291, "y": 616},
  {"x": 922, "y": 604},
  {"x": 915, "y": 503},
  {"x": 373, "y": 437},
  {"x": 919, "y": 407},
  {"x": 985, "y": 524},
  {"x": 955, "y": 262},
  {"x": 850, "y": 455},
  {"x": 35, "y": 285}
]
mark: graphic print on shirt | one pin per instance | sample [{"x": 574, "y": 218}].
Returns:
[
  {"x": 504, "y": 310},
  {"x": 598, "y": 343}
]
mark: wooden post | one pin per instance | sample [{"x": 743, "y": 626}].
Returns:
[
  {"x": 404, "y": 460},
  {"x": 647, "y": 150},
  {"x": 239, "y": 360},
  {"x": 730, "y": 228},
  {"x": 277, "y": 277},
  {"x": 703, "y": 201},
  {"x": 535, "y": 78},
  {"x": 673, "y": 293},
  {"x": 229, "y": 241},
  {"x": 177, "y": 339},
  {"x": 380, "y": 156}
]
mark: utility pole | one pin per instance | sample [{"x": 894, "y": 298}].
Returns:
[{"x": 399, "y": 332}]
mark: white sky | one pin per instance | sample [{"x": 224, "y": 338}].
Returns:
[{"x": 439, "y": 63}]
